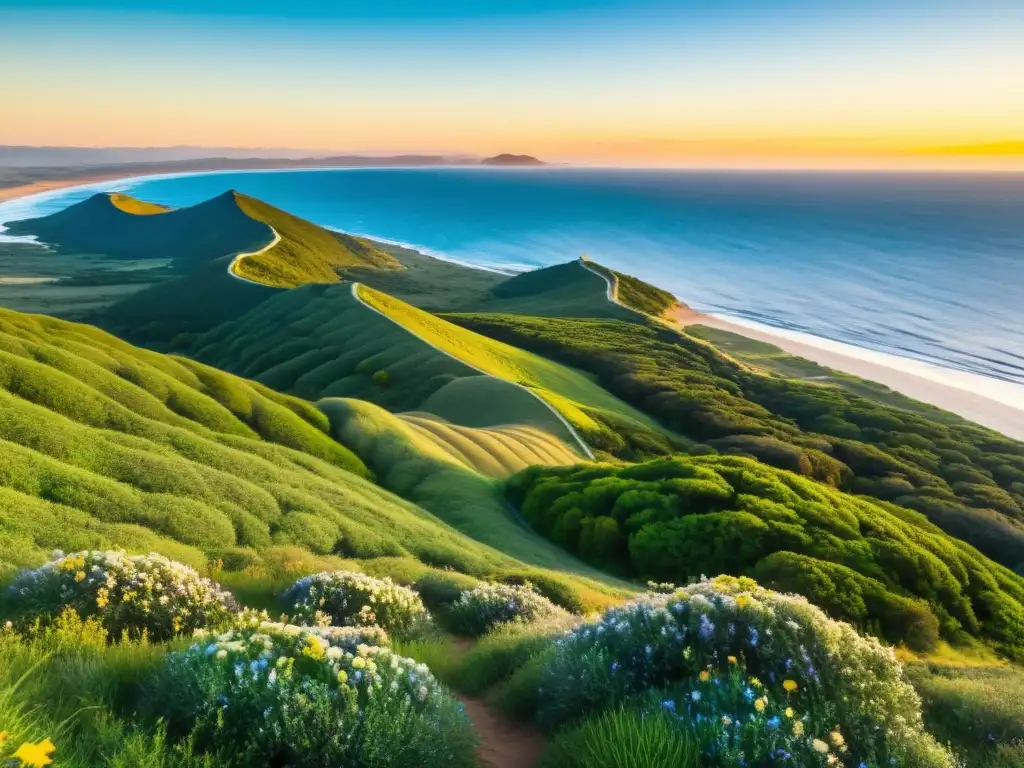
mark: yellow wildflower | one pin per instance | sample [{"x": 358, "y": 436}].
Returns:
[
  {"x": 755, "y": 682},
  {"x": 742, "y": 601},
  {"x": 789, "y": 711},
  {"x": 80, "y": 576},
  {"x": 704, "y": 676},
  {"x": 732, "y": 659},
  {"x": 798, "y": 728},
  {"x": 837, "y": 738},
  {"x": 4, "y": 736},
  {"x": 35, "y": 755},
  {"x": 342, "y": 677},
  {"x": 760, "y": 704},
  {"x": 313, "y": 648},
  {"x": 789, "y": 685},
  {"x": 819, "y": 746}
]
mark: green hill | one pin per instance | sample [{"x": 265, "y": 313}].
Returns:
[
  {"x": 564, "y": 290},
  {"x": 120, "y": 226},
  {"x": 107, "y": 445}
]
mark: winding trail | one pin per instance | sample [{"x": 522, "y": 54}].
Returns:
[
  {"x": 240, "y": 256},
  {"x": 612, "y": 282},
  {"x": 504, "y": 742},
  {"x": 572, "y": 431}
]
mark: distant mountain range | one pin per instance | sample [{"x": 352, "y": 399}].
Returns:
[{"x": 24, "y": 165}]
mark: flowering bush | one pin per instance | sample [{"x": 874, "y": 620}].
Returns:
[
  {"x": 127, "y": 594},
  {"x": 831, "y": 678},
  {"x": 342, "y": 598},
  {"x": 284, "y": 695},
  {"x": 478, "y": 610}
]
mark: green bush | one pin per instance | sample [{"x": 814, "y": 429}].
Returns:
[
  {"x": 288, "y": 696},
  {"x": 135, "y": 596},
  {"x": 624, "y": 738},
  {"x": 480, "y": 609},
  {"x": 344, "y": 598},
  {"x": 846, "y": 691},
  {"x": 439, "y": 589},
  {"x": 879, "y": 566}
]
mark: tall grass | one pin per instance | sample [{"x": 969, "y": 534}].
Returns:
[{"x": 624, "y": 738}]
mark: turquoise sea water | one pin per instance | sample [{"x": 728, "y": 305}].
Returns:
[{"x": 924, "y": 267}]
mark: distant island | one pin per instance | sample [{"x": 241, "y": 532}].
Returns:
[{"x": 508, "y": 159}]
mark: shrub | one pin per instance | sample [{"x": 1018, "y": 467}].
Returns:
[
  {"x": 624, "y": 738},
  {"x": 822, "y": 669},
  {"x": 285, "y": 695},
  {"x": 131, "y": 595},
  {"x": 488, "y": 605},
  {"x": 439, "y": 589},
  {"x": 344, "y": 598}
]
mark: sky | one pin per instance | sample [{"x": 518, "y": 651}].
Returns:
[{"x": 734, "y": 83}]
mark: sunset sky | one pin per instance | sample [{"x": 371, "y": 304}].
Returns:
[{"x": 861, "y": 83}]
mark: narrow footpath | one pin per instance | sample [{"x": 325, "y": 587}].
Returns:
[{"x": 504, "y": 742}]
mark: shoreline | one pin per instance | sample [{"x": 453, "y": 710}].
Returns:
[{"x": 982, "y": 409}]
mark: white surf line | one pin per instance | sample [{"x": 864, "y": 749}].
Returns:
[
  {"x": 240, "y": 256},
  {"x": 572, "y": 431}
]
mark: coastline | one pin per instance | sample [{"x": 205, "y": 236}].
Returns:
[
  {"x": 964, "y": 402},
  {"x": 978, "y": 408},
  {"x": 38, "y": 187}
]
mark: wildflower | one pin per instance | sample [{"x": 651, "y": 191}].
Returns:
[
  {"x": 789, "y": 685},
  {"x": 695, "y": 695},
  {"x": 773, "y": 722},
  {"x": 837, "y": 738},
  {"x": 761, "y": 703},
  {"x": 704, "y": 675},
  {"x": 4, "y": 736},
  {"x": 798, "y": 728},
  {"x": 789, "y": 711},
  {"x": 819, "y": 746},
  {"x": 732, "y": 659},
  {"x": 726, "y": 721},
  {"x": 669, "y": 705},
  {"x": 755, "y": 682},
  {"x": 80, "y": 576},
  {"x": 35, "y": 755}
]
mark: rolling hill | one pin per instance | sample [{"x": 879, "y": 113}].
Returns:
[
  {"x": 104, "y": 444},
  {"x": 120, "y": 226}
]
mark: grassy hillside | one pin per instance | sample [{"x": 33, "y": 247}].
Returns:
[
  {"x": 319, "y": 341},
  {"x": 636, "y": 294},
  {"x": 103, "y": 444},
  {"x": 595, "y": 413},
  {"x": 967, "y": 479},
  {"x": 306, "y": 253},
  {"x": 564, "y": 290},
  {"x": 119, "y": 226},
  {"x": 884, "y": 568},
  {"x": 417, "y": 468}
]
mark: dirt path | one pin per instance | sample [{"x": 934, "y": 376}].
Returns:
[{"x": 504, "y": 742}]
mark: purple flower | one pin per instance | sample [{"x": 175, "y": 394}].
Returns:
[{"x": 706, "y": 627}]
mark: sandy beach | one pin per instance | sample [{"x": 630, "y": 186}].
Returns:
[
  {"x": 983, "y": 410},
  {"x": 36, "y": 187}
]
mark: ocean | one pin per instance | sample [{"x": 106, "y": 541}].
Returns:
[{"x": 924, "y": 272}]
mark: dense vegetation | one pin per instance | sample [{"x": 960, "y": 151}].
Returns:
[
  {"x": 878, "y": 566},
  {"x": 636, "y": 294},
  {"x": 967, "y": 479}
]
